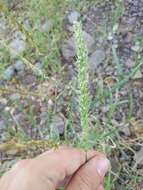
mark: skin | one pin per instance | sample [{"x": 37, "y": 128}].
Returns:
[{"x": 71, "y": 168}]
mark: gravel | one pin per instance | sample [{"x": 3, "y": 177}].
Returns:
[
  {"x": 73, "y": 16},
  {"x": 47, "y": 26},
  {"x": 68, "y": 47},
  {"x": 9, "y": 73},
  {"x": 14, "y": 96},
  {"x": 19, "y": 66},
  {"x": 16, "y": 47},
  {"x": 2, "y": 125},
  {"x": 95, "y": 59},
  {"x": 57, "y": 125}
]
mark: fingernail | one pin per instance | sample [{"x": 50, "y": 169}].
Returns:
[{"x": 102, "y": 166}]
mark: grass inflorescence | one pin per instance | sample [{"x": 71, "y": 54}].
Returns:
[{"x": 83, "y": 94}]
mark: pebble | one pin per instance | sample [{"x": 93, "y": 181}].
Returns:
[
  {"x": 3, "y": 101},
  {"x": 16, "y": 47},
  {"x": 47, "y": 26},
  {"x": 37, "y": 70},
  {"x": 30, "y": 79},
  {"x": 129, "y": 63},
  {"x": 2, "y": 125},
  {"x": 73, "y": 17},
  {"x": 137, "y": 75},
  {"x": 135, "y": 48},
  {"x": 27, "y": 25},
  {"x": 9, "y": 73},
  {"x": 12, "y": 70},
  {"x": 95, "y": 59},
  {"x": 58, "y": 124},
  {"x": 14, "y": 96},
  {"x": 125, "y": 130},
  {"x": 68, "y": 47},
  {"x": 19, "y": 66}
]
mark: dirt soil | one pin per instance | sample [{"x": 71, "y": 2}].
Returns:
[{"x": 30, "y": 107}]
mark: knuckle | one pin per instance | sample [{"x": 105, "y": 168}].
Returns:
[{"x": 85, "y": 181}]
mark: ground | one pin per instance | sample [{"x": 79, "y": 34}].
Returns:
[{"x": 38, "y": 77}]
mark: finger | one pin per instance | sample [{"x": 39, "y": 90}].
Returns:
[
  {"x": 90, "y": 176},
  {"x": 100, "y": 188},
  {"x": 62, "y": 163},
  {"x": 8, "y": 178}
]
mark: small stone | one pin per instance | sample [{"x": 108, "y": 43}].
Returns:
[
  {"x": 37, "y": 70},
  {"x": 58, "y": 124},
  {"x": 9, "y": 73},
  {"x": 47, "y": 26},
  {"x": 27, "y": 25},
  {"x": 3, "y": 101},
  {"x": 2, "y": 24},
  {"x": 73, "y": 16},
  {"x": 2, "y": 125},
  {"x": 105, "y": 109},
  {"x": 95, "y": 59},
  {"x": 89, "y": 41},
  {"x": 14, "y": 96},
  {"x": 129, "y": 63},
  {"x": 19, "y": 35},
  {"x": 50, "y": 103},
  {"x": 137, "y": 75},
  {"x": 138, "y": 158},
  {"x": 110, "y": 36},
  {"x": 135, "y": 48},
  {"x": 68, "y": 48},
  {"x": 19, "y": 66},
  {"x": 16, "y": 47},
  {"x": 115, "y": 27},
  {"x": 30, "y": 79},
  {"x": 125, "y": 130}
]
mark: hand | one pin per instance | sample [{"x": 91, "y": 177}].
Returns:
[{"x": 71, "y": 168}]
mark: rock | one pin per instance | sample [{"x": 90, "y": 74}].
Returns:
[
  {"x": 2, "y": 25},
  {"x": 68, "y": 48},
  {"x": 2, "y": 125},
  {"x": 30, "y": 79},
  {"x": 27, "y": 25},
  {"x": 135, "y": 48},
  {"x": 13, "y": 69},
  {"x": 47, "y": 26},
  {"x": 58, "y": 125},
  {"x": 16, "y": 47},
  {"x": 110, "y": 36},
  {"x": 14, "y": 96},
  {"x": 115, "y": 27},
  {"x": 129, "y": 63},
  {"x": 89, "y": 41},
  {"x": 95, "y": 59},
  {"x": 137, "y": 75},
  {"x": 138, "y": 158},
  {"x": 9, "y": 73},
  {"x": 37, "y": 69},
  {"x": 19, "y": 66},
  {"x": 125, "y": 129},
  {"x": 73, "y": 16},
  {"x": 19, "y": 35},
  {"x": 3, "y": 103}
]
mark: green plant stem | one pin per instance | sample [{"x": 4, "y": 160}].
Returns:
[{"x": 82, "y": 61}]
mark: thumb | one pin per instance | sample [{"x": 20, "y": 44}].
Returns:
[{"x": 90, "y": 176}]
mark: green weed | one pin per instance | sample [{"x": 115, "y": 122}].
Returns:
[{"x": 83, "y": 94}]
